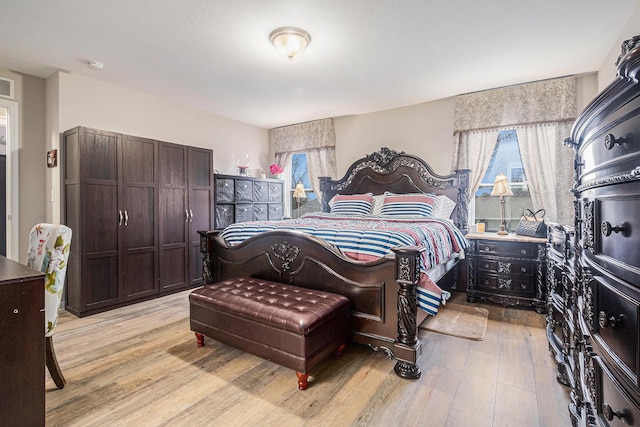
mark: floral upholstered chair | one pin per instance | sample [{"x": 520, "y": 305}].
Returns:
[{"x": 49, "y": 246}]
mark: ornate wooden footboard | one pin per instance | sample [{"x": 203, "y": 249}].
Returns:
[{"x": 383, "y": 292}]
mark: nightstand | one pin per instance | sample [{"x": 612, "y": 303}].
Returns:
[{"x": 509, "y": 270}]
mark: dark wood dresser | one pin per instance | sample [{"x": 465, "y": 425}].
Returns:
[
  {"x": 606, "y": 306},
  {"x": 508, "y": 270},
  {"x": 561, "y": 281},
  {"x": 21, "y": 345},
  {"x": 239, "y": 199}
]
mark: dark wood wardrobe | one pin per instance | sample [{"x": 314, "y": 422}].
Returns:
[{"x": 134, "y": 205}]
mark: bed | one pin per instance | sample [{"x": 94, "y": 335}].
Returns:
[{"x": 383, "y": 291}]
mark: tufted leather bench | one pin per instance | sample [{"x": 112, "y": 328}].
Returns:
[{"x": 289, "y": 325}]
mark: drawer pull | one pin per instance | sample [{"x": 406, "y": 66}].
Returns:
[
  {"x": 609, "y": 413},
  {"x": 610, "y": 141},
  {"x": 604, "y": 320},
  {"x": 523, "y": 269},
  {"x": 607, "y": 228},
  {"x": 523, "y": 251},
  {"x": 486, "y": 266}
]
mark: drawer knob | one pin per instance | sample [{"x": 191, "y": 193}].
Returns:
[
  {"x": 486, "y": 266},
  {"x": 610, "y": 141},
  {"x": 607, "y": 228},
  {"x": 523, "y": 251},
  {"x": 609, "y": 413},
  {"x": 523, "y": 269},
  {"x": 604, "y": 320}
]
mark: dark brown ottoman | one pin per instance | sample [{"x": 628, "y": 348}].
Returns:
[{"x": 291, "y": 326}]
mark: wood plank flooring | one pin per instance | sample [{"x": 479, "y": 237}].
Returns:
[{"x": 140, "y": 366}]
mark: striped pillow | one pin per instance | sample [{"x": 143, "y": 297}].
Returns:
[
  {"x": 417, "y": 204},
  {"x": 355, "y": 204}
]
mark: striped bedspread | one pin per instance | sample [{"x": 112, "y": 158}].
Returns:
[{"x": 367, "y": 238}]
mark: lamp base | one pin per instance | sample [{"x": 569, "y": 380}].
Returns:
[{"x": 502, "y": 233}]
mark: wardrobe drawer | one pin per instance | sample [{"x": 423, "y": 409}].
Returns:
[
  {"x": 506, "y": 285},
  {"x": 260, "y": 212},
  {"x": 244, "y": 212},
  {"x": 520, "y": 250},
  {"x": 275, "y": 212},
  {"x": 260, "y": 191},
  {"x": 618, "y": 222},
  {"x": 244, "y": 190},
  {"x": 510, "y": 267},
  {"x": 224, "y": 216},
  {"x": 614, "y": 405},
  {"x": 275, "y": 191},
  {"x": 225, "y": 190},
  {"x": 615, "y": 317}
]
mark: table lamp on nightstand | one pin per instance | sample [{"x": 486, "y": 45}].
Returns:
[
  {"x": 299, "y": 193},
  {"x": 501, "y": 188}
]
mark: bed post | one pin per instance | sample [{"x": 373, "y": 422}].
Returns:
[
  {"x": 463, "y": 200},
  {"x": 206, "y": 238},
  {"x": 407, "y": 347}
]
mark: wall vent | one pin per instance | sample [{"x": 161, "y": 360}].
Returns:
[{"x": 6, "y": 88}]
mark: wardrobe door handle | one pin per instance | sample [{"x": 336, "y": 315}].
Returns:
[
  {"x": 190, "y": 215},
  {"x": 126, "y": 218},
  {"x": 119, "y": 217},
  {"x": 186, "y": 215}
]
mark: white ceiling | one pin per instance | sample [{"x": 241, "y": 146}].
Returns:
[{"x": 364, "y": 56}]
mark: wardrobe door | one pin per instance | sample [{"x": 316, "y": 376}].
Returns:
[
  {"x": 98, "y": 284},
  {"x": 139, "y": 225},
  {"x": 174, "y": 217},
  {"x": 200, "y": 206}
]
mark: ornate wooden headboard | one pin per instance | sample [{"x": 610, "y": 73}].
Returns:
[{"x": 397, "y": 172}]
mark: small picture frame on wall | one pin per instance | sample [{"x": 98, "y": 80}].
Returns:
[{"x": 52, "y": 158}]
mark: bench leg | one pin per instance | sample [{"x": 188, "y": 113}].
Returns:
[
  {"x": 302, "y": 380},
  {"x": 200, "y": 339},
  {"x": 340, "y": 350}
]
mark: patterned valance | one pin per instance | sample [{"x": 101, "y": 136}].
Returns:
[
  {"x": 304, "y": 136},
  {"x": 540, "y": 102}
]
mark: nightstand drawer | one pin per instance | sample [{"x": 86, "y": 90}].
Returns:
[
  {"x": 509, "y": 267},
  {"x": 512, "y": 249},
  {"x": 505, "y": 284}
]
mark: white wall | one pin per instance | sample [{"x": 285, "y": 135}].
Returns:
[
  {"x": 425, "y": 130},
  {"x": 608, "y": 70},
  {"x": 87, "y": 102}
]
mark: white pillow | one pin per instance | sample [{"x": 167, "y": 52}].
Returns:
[
  {"x": 378, "y": 201},
  {"x": 443, "y": 207}
]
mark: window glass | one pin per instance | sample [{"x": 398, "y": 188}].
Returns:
[
  {"x": 505, "y": 159},
  {"x": 300, "y": 173}
]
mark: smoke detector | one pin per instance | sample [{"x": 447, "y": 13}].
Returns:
[{"x": 95, "y": 65}]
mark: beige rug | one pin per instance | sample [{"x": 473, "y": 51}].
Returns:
[{"x": 459, "y": 320}]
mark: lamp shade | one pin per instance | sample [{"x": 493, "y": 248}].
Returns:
[
  {"x": 298, "y": 192},
  {"x": 501, "y": 186},
  {"x": 289, "y": 41}
]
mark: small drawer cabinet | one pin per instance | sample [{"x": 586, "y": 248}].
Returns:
[
  {"x": 508, "y": 270},
  {"x": 242, "y": 199}
]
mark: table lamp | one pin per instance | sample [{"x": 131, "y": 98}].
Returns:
[
  {"x": 299, "y": 193},
  {"x": 501, "y": 188}
]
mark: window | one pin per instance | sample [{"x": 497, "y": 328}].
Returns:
[
  {"x": 300, "y": 173},
  {"x": 505, "y": 159}
]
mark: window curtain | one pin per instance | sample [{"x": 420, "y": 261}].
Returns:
[
  {"x": 317, "y": 139},
  {"x": 542, "y": 114}
]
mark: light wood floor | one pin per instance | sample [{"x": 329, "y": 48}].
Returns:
[{"x": 140, "y": 366}]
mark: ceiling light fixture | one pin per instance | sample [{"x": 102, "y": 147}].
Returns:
[{"x": 290, "y": 41}]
